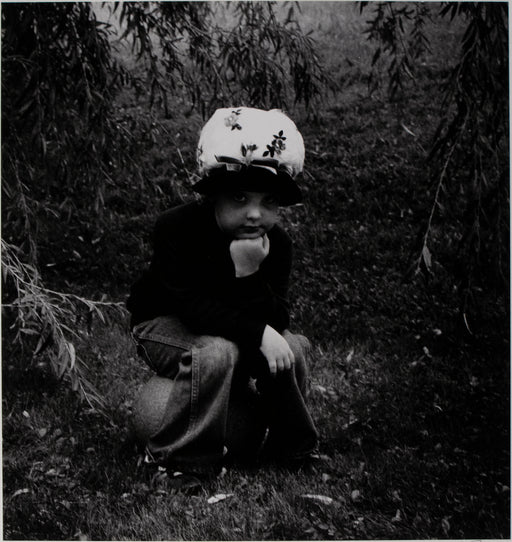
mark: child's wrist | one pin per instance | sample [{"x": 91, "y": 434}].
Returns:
[{"x": 244, "y": 273}]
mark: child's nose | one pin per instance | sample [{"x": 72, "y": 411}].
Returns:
[{"x": 253, "y": 212}]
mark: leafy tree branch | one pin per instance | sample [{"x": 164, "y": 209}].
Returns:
[
  {"x": 68, "y": 148},
  {"x": 469, "y": 151}
]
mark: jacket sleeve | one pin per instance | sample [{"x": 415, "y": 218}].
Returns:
[
  {"x": 241, "y": 317},
  {"x": 267, "y": 290}
]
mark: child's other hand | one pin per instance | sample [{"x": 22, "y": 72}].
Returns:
[
  {"x": 247, "y": 254},
  {"x": 276, "y": 350}
]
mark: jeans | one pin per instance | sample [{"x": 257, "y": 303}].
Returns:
[{"x": 206, "y": 371}]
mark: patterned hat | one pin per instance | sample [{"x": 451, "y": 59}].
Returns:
[{"x": 246, "y": 148}]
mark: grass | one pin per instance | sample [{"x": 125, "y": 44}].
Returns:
[
  {"x": 413, "y": 410},
  {"x": 408, "y": 455}
]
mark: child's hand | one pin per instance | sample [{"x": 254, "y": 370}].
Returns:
[
  {"x": 276, "y": 350},
  {"x": 247, "y": 254}
]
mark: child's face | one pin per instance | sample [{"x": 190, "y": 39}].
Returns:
[{"x": 246, "y": 215}]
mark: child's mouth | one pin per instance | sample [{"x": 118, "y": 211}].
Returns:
[{"x": 250, "y": 231}]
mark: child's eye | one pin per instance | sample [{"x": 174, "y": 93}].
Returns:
[
  {"x": 239, "y": 197},
  {"x": 271, "y": 200}
]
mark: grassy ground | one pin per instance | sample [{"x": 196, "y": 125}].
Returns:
[
  {"x": 415, "y": 447},
  {"x": 413, "y": 410}
]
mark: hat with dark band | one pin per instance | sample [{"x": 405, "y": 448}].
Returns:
[{"x": 250, "y": 149}]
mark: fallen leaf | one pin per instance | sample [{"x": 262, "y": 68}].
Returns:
[
  {"x": 427, "y": 257},
  {"x": 319, "y": 388},
  {"x": 445, "y": 524},
  {"x": 326, "y": 477},
  {"x": 355, "y": 495},
  {"x": 20, "y": 492},
  {"x": 352, "y": 421},
  {"x": 219, "y": 497},
  {"x": 410, "y": 132},
  {"x": 319, "y": 498},
  {"x": 320, "y": 457}
]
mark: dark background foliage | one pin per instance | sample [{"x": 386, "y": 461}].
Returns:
[{"x": 88, "y": 127}]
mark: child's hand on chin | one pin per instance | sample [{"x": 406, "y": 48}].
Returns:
[
  {"x": 247, "y": 254},
  {"x": 276, "y": 350}
]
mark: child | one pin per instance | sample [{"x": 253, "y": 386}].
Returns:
[{"x": 211, "y": 311}]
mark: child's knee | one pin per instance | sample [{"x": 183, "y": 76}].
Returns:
[
  {"x": 301, "y": 348},
  {"x": 219, "y": 353},
  {"x": 299, "y": 345}
]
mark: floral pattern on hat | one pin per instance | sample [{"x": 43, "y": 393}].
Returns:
[
  {"x": 245, "y": 149},
  {"x": 276, "y": 146},
  {"x": 234, "y": 137},
  {"x": 232, "y": 120}
]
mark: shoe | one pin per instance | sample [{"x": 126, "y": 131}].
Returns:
[
  {"x": 308, "y": 462},
  {"x": 184, "y": 482},
  {"x": 164, "y": 479}
]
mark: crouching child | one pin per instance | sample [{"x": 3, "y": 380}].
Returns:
[{"x": 211, "y": 313}]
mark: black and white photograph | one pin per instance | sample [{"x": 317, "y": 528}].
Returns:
[{"x": 255, "y": 270}]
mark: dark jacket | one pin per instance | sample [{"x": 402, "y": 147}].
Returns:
[{"x": 192, "y": 276}]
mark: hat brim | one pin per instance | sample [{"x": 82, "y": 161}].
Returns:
[{"x": 251, "y": 179}]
